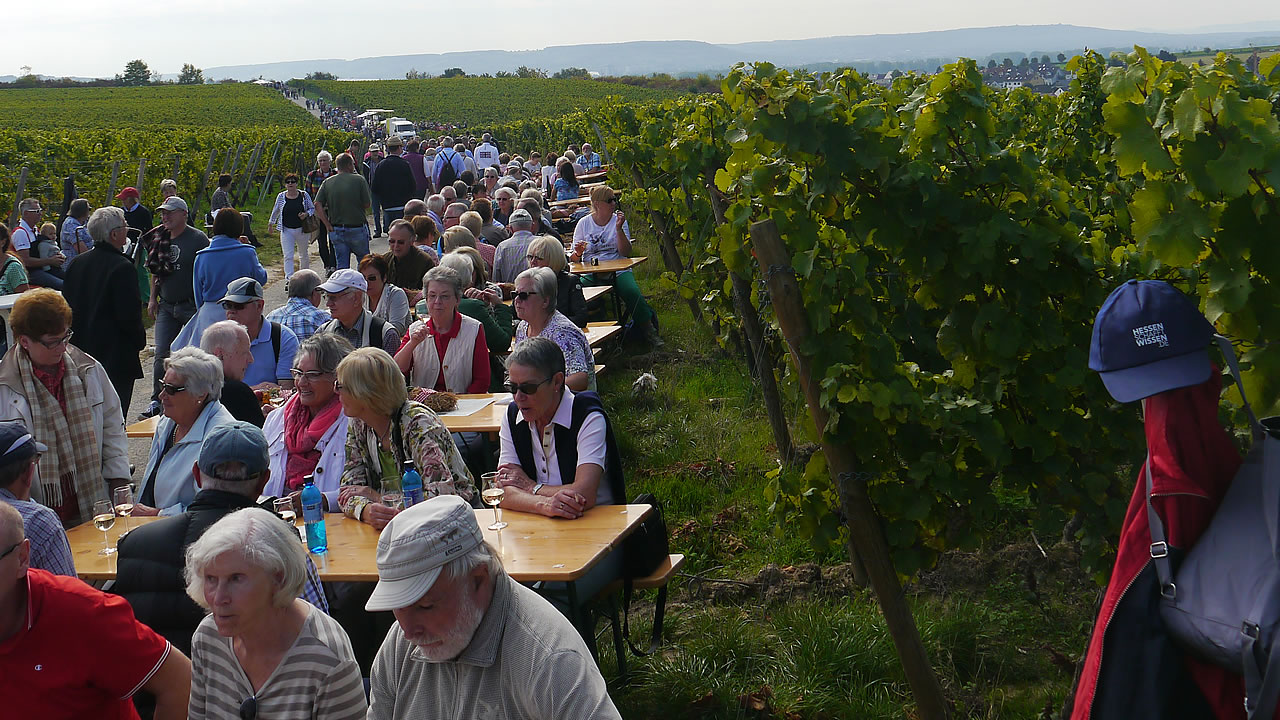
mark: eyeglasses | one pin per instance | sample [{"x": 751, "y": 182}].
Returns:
[
  {"x": 527, "y": 388},
  {"x": 60, "y": 341},
  {"x": 172, "y": 389},
  {"x": 290, "y": 182},
  {"x": 337, "y": 386},
  {"x": 532, "y": 258},
  {"x": 310, "y": 375},
  {"x": 525, "y": 294},
  {"x": 610, "y": 201},
  {"x": 12, "y": 547},
  {"x": 249, "y": 708}
]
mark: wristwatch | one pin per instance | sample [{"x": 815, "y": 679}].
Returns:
[{"x": 537, "y": 487}]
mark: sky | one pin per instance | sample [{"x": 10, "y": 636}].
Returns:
[{"x": 95, "y": 39}]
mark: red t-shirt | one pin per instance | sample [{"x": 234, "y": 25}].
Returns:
[{"x": 80, "y": 654}]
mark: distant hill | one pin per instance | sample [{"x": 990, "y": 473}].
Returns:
[{"x": 907, "y": 50}]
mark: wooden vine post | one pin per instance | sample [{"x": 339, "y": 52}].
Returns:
[
  {"x": 115, "y": 178},
  {"x": 865, "y": 530},
  {"x": 17, "y": 195}
]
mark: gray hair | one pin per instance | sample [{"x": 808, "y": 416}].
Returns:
[
  {"x": 413, "y": 208},
  {"x": 504, "y": 191},
  {"x": 11, "y": 526},
  {"x": 303, "y": 284},
  {"x": 103, "y": 221},
  {"x": 482, "y": 554},
  {"x": 324, "y": 155},
  {"x": 539, "y": 354},
  {"x": 460, "y": 264},
  {"x": 458, "y": 236},
  {"x": 525, "y": 223},
  {"x": 223, "y": 335},
  {"x": 551, "y": 251},
  {"x": 263, "y": 540},
  {"x": 231, "y": 476},
  {"x": 462, "y": 208},
  {"x": 168, "y": 183},
  {"x": 436, "y": 204},
  {"x": 443, "y": 273},
  {"x": 200, "y": 370},
  {"x": 545, "y": 282},
  {"x": 325, "y": 349},
  {"x": 28, "y": 204}
]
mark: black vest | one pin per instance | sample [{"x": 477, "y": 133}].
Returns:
[
  {"x": 151, "y": 560},
  {"x": 584, "y": 404}
]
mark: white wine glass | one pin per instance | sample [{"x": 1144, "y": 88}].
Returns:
[
  {"x": 492, "y": 492},
  {"x": 123, "y": 497},
  {"x": 104, "y": 518}
]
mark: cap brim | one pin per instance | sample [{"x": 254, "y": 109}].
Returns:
[
  {"x": 1142, "y": 381},
  {"x": 238, "y": 299},
  {"x": 40, "y": 447},
  {"x": 395, "y": 594},
  {"x": 333, "y": 288}
]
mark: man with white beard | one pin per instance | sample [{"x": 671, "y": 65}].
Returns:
[{"x": 469, "y": 641}]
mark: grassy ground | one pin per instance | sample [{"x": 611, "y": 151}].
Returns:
[{"x": 789, "y": 634}]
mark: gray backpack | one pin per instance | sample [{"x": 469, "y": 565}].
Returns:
[{"x": 1223, "y": 602}]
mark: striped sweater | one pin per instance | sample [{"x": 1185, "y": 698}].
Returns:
[{"x": 317, "y": 678}]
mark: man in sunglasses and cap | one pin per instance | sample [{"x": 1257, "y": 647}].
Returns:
[
  {"x": 18, "y": 455},
  {"x": 469, "y": 641}
]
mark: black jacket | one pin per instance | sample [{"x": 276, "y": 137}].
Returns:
[
  {"x": 569, "y": 298},
  {"x": 151, "y": 559},
  {"x": 138, "y": 219},
  {"x": 106, "y": 309},
  {"x": 240, "y": 400},
  {"x": 393, "y": 182}
]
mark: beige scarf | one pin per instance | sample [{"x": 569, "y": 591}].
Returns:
[{"x": 72, "y": 438}]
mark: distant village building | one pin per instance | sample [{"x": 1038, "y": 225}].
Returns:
[{"x": 1040, "y": 77}]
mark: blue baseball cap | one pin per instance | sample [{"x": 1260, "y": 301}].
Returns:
[
  {"x": 16, "y": 443},
  {"x": 1148, "y": 338}
]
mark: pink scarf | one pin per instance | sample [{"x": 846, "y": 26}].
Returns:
[{"x": 302, "y": 431}]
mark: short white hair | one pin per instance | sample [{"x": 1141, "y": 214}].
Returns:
[
  {"x": 103, "y": 221},
  {"x": 223, "y": 335},
  {"x": 482, "y": 554},
  {"x": 504, "y": 191},
  {"x": 168, "y": 183},
  {"x": 201, "y": 371},
  {"x": 460, "y": 264},
  {"x": 324, "y": 155},
  {"x": 263, "y": 540}
]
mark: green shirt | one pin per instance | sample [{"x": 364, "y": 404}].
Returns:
[{"x": 345, "y": 197}]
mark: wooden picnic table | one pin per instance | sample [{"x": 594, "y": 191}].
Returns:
[
  {"x": 532, "y": 547},
  {"x": 485, "y": 420},
  {"x": 572, "y": 202},
  {"x": 607, "y": 266}
]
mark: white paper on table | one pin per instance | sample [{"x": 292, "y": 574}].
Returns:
[{"x": 468, "y": 406}]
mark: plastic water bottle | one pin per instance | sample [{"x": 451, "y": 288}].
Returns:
[
  {"x": 313, "y": 516},
  {"x": 411, "y": 485}
]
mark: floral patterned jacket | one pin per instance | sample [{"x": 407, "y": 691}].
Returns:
[{"x": 419, "y": 435}]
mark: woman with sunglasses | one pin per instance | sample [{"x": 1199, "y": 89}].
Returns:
[
  {"x": 536, "y": 303},
  {"x": 548, "y": 252},
  {"x": 386, "y": 301},
  {"x": 189, "y": 397},
  {"x": 293, "y": 206},
  {"x": 605, "y": 235},
  {"x": 307, "y": 436},
  {"x": 580, "y": 468},
  {"x": 386, "y": 429},
  {"x": 229, "y": 257},
  {"x": 67, "y": 402}
]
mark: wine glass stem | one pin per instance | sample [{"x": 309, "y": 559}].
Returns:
[
  {"x": 105, "y": 546},
  {"x": 496, "y": 518}
]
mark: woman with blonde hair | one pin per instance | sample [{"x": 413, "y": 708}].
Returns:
[
  {"x": 386, "y": 429},
  {"x": 546, "y": 251}
]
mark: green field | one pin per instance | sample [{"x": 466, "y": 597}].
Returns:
[
  {"x": 236, "y": 105},
  {"x": 479, "y": 101},
  {"x": 1207, "y": 58}
]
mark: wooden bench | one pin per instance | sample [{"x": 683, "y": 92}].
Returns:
[
  {"x": 599, "y": 370},
  {"x": 658, "y": 580}
]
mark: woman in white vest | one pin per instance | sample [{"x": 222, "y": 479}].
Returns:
[
  {"x": 447, "y": 350},
  {"x": 307, "y": 436}
]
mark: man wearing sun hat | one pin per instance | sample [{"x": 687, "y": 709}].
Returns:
[
  {"x": 345, "y": 297},
  {"x": 18, "y": 454},
  {"x": 469, "y": 641}
]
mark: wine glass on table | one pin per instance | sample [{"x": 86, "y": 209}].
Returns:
[
  {"x": 284, "y": 508},
  {"x": 123, "y": 497},
  {"x": 104, "y": 518},
  {"x": 492, "y": 493}
]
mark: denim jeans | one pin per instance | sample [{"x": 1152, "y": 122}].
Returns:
[
  {"x": 347, "y": 241},
  {"x": 45, "y": 277},
  {"x": 376, "y": 211},
  {"x": 170, "y": 318}
]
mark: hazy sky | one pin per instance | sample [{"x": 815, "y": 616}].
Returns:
[{"x": 97, "y": 38}]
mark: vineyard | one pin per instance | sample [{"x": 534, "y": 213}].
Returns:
[
  {"x": 477, "y": 102},
  {"x": 233, "y": 105}
]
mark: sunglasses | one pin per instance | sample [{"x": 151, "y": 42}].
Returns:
[
  {"x": 527, "y": 388},
  {"x": 228, "y": 305},
  {"x": 60, "y": 341},
  {"x": 611, "y": 201},
  {"x": 9, "y": 552},
  {"x": 337, "y": 386},
  {"x": 290, "y": 182},
  {"x": 172, "y": 389},
  {"x": 525, "y": 295}
]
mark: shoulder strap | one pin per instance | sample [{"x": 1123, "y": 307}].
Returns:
[{"x": 275, "y": 340}]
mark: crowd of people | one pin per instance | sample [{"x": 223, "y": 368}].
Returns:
[{"x": 217, "y": 609}]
